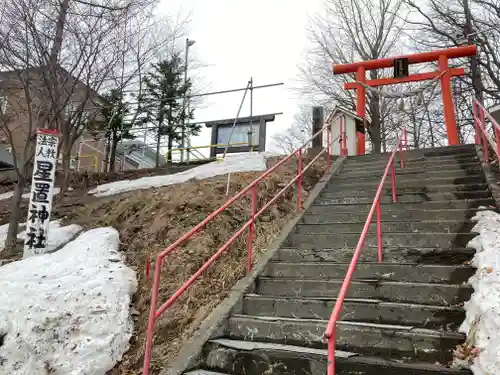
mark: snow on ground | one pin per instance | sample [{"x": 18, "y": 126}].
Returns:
[
  {"x": 482, "y": 323},
  {"x": 232, "y": 164},
  {"x": 67, "y": 312},
  {"x": 58, "y": 235},
  {"x": 9, "y": 194}
]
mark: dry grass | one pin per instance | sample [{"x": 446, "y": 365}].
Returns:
[{"x": 150, "y": 220}]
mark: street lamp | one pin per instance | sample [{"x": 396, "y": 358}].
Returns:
[{"x": 185, "y": 104}]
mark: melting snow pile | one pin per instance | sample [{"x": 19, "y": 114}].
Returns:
[
  {"x": 67, "y": 312},
  {"x": 482, "y": 322},
  {"x": 232, "y": 164},
  {"x": 10, "y": 194},
  {"x": 58, "y": 235}
]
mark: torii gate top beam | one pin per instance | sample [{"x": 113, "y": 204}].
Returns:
[{"x": 450, "y": 53}]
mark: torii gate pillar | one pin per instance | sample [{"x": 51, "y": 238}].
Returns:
[{"x": 444, "y": 73}]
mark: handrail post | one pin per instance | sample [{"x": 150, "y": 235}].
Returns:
[
  {"x": 331, "y": 354},
  {"x": 299, "y": 181},
  {"x": 477, "y": 136},
  {"x": 152, "y": 316},
  {"x": 401, "y": 157},
  {"x": 328, "y": 153},
  {"x": 393, "y": 181},
  {"x": 497, "y": 139},
  {"x": 486, "y": 150},
  {"x": 379, "y": 231},
  {"x": 344, "y": 138},
  {"x": 251, "y": 228}
]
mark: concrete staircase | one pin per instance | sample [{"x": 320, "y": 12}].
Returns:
[{"x": 401, "y": 316}]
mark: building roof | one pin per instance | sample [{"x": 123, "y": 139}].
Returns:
[
  {"x": 12, "y": 76},
  {"x": 242, "y": 120},
  {"x": 135, "y": 146},
  {"x": 6, "y": 160},
  {"x": 340, "y": 109}
]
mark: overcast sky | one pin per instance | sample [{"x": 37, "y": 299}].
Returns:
[{"x": 239, "y": 39}]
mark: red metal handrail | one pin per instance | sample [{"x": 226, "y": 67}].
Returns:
[
  {"x": 481, "y": 134},
  {"x": 375, "y": 208},
  {"x": 252, "y": 187}
]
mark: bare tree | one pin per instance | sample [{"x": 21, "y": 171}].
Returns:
[
  {"x": 294, "y": 136},
  {"x": 346, "y": 32},
  {"x": 443, "y": 24},
  {"x": 60, "y": 56}
]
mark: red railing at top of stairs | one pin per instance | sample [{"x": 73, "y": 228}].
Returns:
[
  {"x": 481, "y": 133},
  {"x": 250, "y": 224},
  {"x": 375, "y": 208}
]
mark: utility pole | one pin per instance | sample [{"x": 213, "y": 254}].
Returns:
[
  {"x": 477, "y": 83},
  {"x": 189, "y": 43},
  {"x": 53, "y": 61}
]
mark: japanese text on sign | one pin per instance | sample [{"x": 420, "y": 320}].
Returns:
[{"x": 42, "y": 189}]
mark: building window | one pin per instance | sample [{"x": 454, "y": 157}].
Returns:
[
  {"x": 3, "y": 105},
  {"x": 240, "y": 135},
  {"x": 69, "y": 109}
]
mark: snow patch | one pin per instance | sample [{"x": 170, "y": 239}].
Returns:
[
  {"x": 232, "y": 164},
  {"x": 67, "y": 312},
  {"x": 10, "y": 194},
  {"x": 7, "y": 195},
  {"x": 58, "y": 235},
  {"x": 482, "y": 322}
]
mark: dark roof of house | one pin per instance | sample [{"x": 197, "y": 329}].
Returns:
[
  {"x": 6, "y": 160},
  {"x": 12, "y": 76}
]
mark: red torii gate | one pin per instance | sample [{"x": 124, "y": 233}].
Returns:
[{"x": 445, "y": 74}]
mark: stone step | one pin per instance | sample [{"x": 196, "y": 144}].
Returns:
[
  {"x": 461, "y": 159},
  {"x": 407, "y": 175},
  {"x": 421, "y": 293},
  {"x": 454, "y": 256},
  {"x": 203, "y": 372},
  {"x": 390, "y": 239},
  {"x": 371, "y": 339},
  {"x": 322, "y": 215},
  {"x": 414, "y": 155},
  {"x": 261, "y": 358},
  {"x": 403, "y": 206},
  {"x": 364, "y": 191},
  {"x": 405, "y": 181},
  {"x": 368, "y": 311},
  {"x": 432, "y": 226},
  {"x": 428, "y": 163},
  {"x": 413, "y": 167},
  {"x": 332, "y": 198},
  {"x": 416, "y": 273}
]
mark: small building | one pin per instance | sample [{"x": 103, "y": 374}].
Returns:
[
  {"x": 7, "y": 171},
  {"x": 134, "y": 154},
  {"x": 341, "y": 119},
  {"x": 242, "y": 131}
]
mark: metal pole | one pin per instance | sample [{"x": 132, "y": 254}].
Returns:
[
  {"x": 189, "y": 43},
  {"x": 251, "y": 114},
  {"x": 235, "y": 120}
]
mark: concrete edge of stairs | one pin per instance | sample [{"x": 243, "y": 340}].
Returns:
[
  {"x": 490, "y": 178},
  {"x": 220, "y": 353},
  {"x": 187, "y": 359}
]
